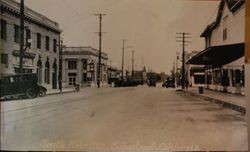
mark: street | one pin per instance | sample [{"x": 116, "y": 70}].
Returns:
[{"x": 139, "y": 118}]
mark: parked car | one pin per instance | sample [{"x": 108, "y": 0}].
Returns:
[
  {"x": 151, "y": 82},
  {"x": 169, "y": 83},
  {"x": 127, "y": 83},
  {"x": 130, "y": 83},
  {"x": 21, "y": 86}
]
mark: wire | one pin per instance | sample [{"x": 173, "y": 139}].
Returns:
[{"x": 83, "y": 18}]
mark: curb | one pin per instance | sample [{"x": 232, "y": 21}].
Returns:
[
  {"x": 220, "y": 102},
  {"x": 60, "y": 93}
]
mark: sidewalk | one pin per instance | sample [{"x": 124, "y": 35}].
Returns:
[
  {"x": 57, "y": 91},
  {"x": 233, "y": 101}
]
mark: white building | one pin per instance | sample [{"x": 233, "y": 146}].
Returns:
[
  {"x": 80, "y": 66},
  {"x": 223, "y": 56},
  {"x": 41, "y": 55}
]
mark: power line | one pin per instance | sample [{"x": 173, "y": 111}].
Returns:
[{"x": 83, "y": 18}]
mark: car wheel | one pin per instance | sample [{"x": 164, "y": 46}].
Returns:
[
  {"x": 42, "y": 93},
  {"x": 31, "y": 93}
]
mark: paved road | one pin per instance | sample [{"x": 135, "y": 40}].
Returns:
[{"x": 134, "y": 119}]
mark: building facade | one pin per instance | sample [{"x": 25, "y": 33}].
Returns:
[
  {"x": 80, "y": 66},
  {"x": 195, "y": 74},
  {"x": 41, "y": 38},
  {"x": 223, "y": 56}
]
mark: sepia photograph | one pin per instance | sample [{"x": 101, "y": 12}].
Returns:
[{"x": 125, "y": 75}]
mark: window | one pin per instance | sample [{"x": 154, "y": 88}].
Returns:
[
  {"x": 47, "y": 73},
  {"x": 54, "y": 45},
  {"x": 4, "y": 58},
  {"x": 47, "y": 43},
  {"x": 38, "y": 40},
  {"x": 3, "y": 30},
  {"x": 225, "y": 30},
  {"x": 72, "y": 65},
  {"x": 16, "y": 33},
  {"x": 84, "y": 77},
  {"x": 28, "y": 36},
  {"x": 84, "y": 64}
]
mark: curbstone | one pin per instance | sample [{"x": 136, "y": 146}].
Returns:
[{"x": 220, "y": 102}]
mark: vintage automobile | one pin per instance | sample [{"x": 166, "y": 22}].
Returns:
[
  {"x": 169, "y": 83},
  {"x": 21, "y": 86},
  {"x": 151, "y": 82}
]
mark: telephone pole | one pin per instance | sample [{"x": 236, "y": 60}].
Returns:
[
  {"x": 183, "y": 41},
  {"x": 123, "y": 41},
  {"x": 100, "y": 48},
  {"x": 133, "y": 64},
  {"x": 60, "y": 63},
  {"x": 21, "y": 36}
]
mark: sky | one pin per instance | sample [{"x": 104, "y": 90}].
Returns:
[{"x": 149, "y": 26}]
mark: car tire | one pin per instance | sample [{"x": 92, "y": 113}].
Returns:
[
  {"x": 42, "y": 93},
  {"x": 31, "y": 93}
]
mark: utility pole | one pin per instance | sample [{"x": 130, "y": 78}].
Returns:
[
  {"x": 183, "y": 41},
  {"x": 123, "y": 41},
  {"x": 60, "y": 63},
  {"x": 133, "y": 64},
  {"x": 100, "y": 48},
  {"x": 21, "y": 36}
]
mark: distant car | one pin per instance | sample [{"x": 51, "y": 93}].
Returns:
[
  {"x": 169, "y": 83},
  {"x": 151, "y": 82},
  {"x": 127, "y": 83},
  {"x": 130, "y": 83},
  {"x": 21, "y": 86}
]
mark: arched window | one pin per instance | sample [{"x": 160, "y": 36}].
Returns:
[
  {"x": 39, "y": 70},
  {"x": 47, "y": 72},
  {"x": 54, "y": 75}
]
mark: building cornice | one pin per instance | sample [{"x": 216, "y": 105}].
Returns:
[{"x": 12, "y": 7}]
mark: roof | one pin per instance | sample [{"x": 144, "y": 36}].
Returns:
[
  {"x": 13, "y": 7},
  {"x": 233, "y": 5},
  {"x": 83, "y": 50},
  {"x": 218, "y": 55}
]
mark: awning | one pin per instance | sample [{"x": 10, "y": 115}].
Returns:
[
  {"x": 237, "y": 64},
  {"x": 218, "y": 55}
]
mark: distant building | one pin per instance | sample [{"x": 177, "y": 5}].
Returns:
[
  {"x": 223, "y": 56},
  {"x": 41, "y": 55},
  {"x": 114, "y": 74},
  {"x": 80, "y": 66}
]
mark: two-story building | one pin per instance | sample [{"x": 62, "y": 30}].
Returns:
[
  {"x": 41, "y": 38},
  {"x": 223, "y": 55},
  {"x": 80, "y": 66}
]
